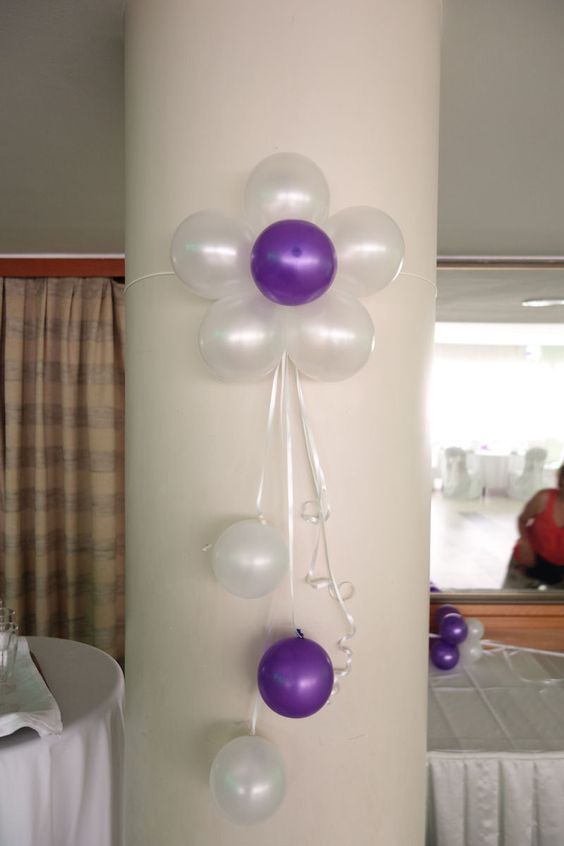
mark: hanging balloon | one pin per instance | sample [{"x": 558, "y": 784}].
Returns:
[
  {"x": 210, "y": 253},
  {"x": 295, "y": 677},
  {"x": 443, "y": 655},
  {"x": 250, "y": 558},
  {"x": 331, "y": 338},
  {"x": 452, "y": 628},
  {"x": 293, "y": 262},
  {"x": 242, "y": 337},
  {"x": 248, "y": 780},
  {"x": 370, "y": 248},
  {"x": 286, "y": 186}
]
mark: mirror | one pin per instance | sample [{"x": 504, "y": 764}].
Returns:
[{"x": 497, "y": 420}]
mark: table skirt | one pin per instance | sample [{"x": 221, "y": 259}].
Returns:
[{"x": 495, "y": 800}]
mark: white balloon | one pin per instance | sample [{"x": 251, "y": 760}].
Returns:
[
  {"x": 369, "y": 247},
  {"x": 469, "y": 651},
  {"x": 250, "y": 558},
  {"x": 248, "y": 780},
  {"x": 241, "y": 338},
  {"x": 330, "y": 338},
  {"x": 286, "y": 186},
  {"x": 475, "y": 629},
  {"x": 211, "y": 254}
]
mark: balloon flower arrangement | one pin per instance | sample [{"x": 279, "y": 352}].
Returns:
[
  {"x": 457, "y": 640},
  {"x": 286, "y": 282}
]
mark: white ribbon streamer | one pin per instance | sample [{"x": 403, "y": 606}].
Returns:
[
  {"x": 287, "y": 430},
  {"x": 267, "y": 442},
  {"x": 339, "y": 591}
]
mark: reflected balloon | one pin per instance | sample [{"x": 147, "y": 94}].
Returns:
[
  {"x": 442, "y": 654},
  {"x": 475, "y": 628},
  {"x": 370, "y": 249},
  {"x": 248, "y": 780},
  {"x": 442, "y": 611},
  {"x": 284, "y": 186},
  {"x": 250, "y": 558},
  {"x": 331, "y": 338},
  {"x": 211, "y": 252},
  {"x": 293, "y": 262},
  {"x": 452, "y": 628},
  {"x": 470, "y": 651},
  {"x": 241, "y": 338}
]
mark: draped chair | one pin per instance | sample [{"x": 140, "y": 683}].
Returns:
[
  {"x": 523, "y": 485},
  {"x": 461, "y": 478}
]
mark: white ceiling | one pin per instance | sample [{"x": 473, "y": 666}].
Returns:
[
  {"x": 501, "y": 185},
  {"x": 501, "y": 182},
  {"x": 494, "y": 295}
]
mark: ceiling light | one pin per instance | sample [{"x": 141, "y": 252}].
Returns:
[{"x": 543, "y": 303}]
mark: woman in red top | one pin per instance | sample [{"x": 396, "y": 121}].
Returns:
[{"x": 538, "y": 556}]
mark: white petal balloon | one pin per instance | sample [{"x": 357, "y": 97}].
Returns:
[
  {"x": 250, "y": 558},
  {"x": 286, "y": 186},
  {"x": 248, "y": 780},
  {"x": 370, "y": 249},
  {"x": 330, "y": 338},
  {"x": 241, "y": 338},
  {"x": 211, "y": 253}
]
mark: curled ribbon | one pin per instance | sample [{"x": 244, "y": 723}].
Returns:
[{"x": 317, "y": 512}]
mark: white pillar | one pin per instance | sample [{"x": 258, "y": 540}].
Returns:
[{"x": 213, "y": 86}]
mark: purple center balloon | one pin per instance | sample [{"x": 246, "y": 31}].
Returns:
[
  {"x": 295, "y": 677},
  {"x": 293, "y": 262}
]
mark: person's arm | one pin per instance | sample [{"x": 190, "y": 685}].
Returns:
[{"x": 529, "y": 512}]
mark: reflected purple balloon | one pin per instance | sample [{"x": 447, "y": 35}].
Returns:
[
  {"x": 443, "y": 655},
  {"x": 293, "y": 262},
  {"x": 295, "y": 677},
  {"x": 433, "y": 588},
  {"x": 453, "y": 628},
  {"x": 442, "y": 611}
]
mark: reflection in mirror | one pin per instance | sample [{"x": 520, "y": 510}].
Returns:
[{"x": 497, "y": 424}]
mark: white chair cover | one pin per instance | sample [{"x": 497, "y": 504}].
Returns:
[
  {"x": 460, "y": 480},
  {"x": 522, "y": 486}
]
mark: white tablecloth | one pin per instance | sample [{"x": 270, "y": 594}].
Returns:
[
  {"x": 496, "y": 753},
  {"x": 67, "y": 790},
  {"x": 494, "y": 470}
]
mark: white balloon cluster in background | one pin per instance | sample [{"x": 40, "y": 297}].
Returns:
[
  {"x": 328, "y": 335},
  {"x": 470, "y": 650}
]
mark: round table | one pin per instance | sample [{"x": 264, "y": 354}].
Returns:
[{"x": 67, "y": 790}]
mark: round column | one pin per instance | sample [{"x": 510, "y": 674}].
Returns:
[{"x": 212, "y": 88}]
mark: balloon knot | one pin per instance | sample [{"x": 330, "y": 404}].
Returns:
[{"x": 300, "y": 634}]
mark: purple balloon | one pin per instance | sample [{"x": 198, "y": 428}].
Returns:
[
  {"x": 442, "y": 611},
  {"x": 453, "y": 628},
  {"x": 295, "y": 677},
  {"x": 443, "y": 655},
  {"x": 293, "y": 262},
  {"x": 433, "y": 588}
]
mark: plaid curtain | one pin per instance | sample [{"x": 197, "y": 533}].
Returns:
[{"x": 61, "y": 482}]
